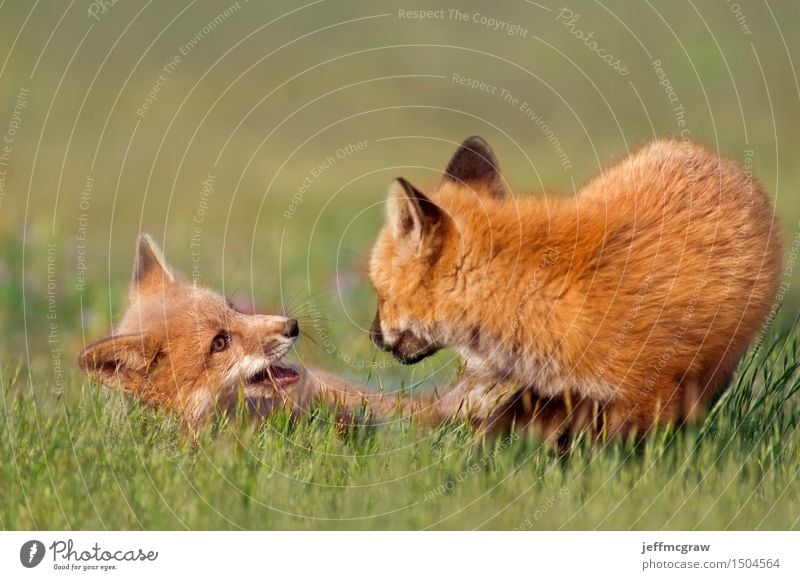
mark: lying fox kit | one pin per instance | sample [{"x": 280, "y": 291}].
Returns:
[
  {"x": 627, "y": 305},
  {"x": 184, "y": 348}
]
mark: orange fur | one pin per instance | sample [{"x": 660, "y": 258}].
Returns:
[
  {"x": 185, "y": 349},
  {"x": 636, "y": 298}
]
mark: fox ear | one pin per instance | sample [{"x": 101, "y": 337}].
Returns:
[
  {"x": 151, "y": 274},
  {"x": 474, "y": 163},
  {"x": 121, "y": 361},
  {"x": 411, "y": 214}
]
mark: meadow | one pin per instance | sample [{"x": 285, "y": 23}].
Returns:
[
  {"x": 256, "y": 143},
  {"x": 93, "y": 460}
]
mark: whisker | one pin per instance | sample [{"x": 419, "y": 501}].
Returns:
[
  {"x": 308, "y": 337},
  {"x": 298, "y": 302}
]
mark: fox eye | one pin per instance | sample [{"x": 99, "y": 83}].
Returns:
[{"x": 220, "y": 343}]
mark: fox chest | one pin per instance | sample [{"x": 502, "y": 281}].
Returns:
[{"x": 546, "y": 375}]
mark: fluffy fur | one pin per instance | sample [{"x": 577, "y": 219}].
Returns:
[
  {"x": 627, "y": 305},
  {"x": 185, "y": 349}
]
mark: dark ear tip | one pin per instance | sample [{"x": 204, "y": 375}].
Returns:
[
  {"x": 406, "y": 185},
  {"x": 477, "y": 145},
  {"x": 475, "y": 162},
  {"x": 475, "y": 140}
]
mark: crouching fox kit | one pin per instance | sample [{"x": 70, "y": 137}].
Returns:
[
  {"x": 624, "y": 306},
  {"x": 184, "y": 348}
]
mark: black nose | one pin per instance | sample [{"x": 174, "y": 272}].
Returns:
[{"x": 292, "y": 328}]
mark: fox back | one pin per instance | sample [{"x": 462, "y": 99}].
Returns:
[{"x": 639, "y": 294}]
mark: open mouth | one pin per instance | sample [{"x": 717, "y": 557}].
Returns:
[{"x": 277, "y": 376}]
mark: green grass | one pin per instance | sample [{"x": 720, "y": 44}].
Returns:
[
  {"x": 338, "y": 73},
  {"x": 94, "y": 459}
]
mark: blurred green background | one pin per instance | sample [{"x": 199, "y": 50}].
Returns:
[{"x": 260, "y": 108}]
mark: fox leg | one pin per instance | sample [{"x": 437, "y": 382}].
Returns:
[
  {"x": 699, "y": 393},
  {"x": 350, "y": 400},
  {"x": 473, "y": 399},
  {"x": 553, "y": 419},
  {"x": 670, "y": 401}
]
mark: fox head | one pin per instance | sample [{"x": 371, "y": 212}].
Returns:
[
  {"x": 416, "y": 263},
  {"x": 185, "y": 348}
]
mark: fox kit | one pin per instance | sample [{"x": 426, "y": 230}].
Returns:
[
  {"x": 185, "y": 349},
  {"x": 627, "y": 305}
]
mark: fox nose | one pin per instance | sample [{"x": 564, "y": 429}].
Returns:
[{"x": 291, "y": 328}]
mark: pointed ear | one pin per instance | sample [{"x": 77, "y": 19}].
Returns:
[
  {"x": 121, "y": 361},
  {"x": 151, "y": 274},
  {"x": 474, "y": 163},
  {"x": 411, "y": 214}
]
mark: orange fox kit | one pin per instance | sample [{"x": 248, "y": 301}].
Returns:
[
  {"x": 627, "y": 305},
  {"x": 184, "y": 348}
]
